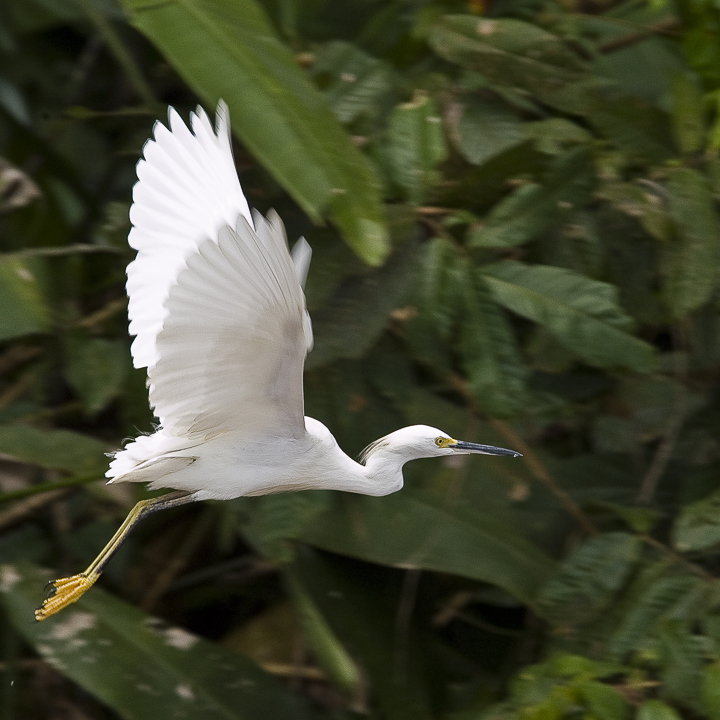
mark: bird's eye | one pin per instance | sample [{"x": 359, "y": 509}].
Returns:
[{"x": 441, "y": 442}]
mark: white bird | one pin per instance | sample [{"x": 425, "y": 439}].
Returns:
[{"x": 218, "y": 313}]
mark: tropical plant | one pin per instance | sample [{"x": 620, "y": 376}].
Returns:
[{"x": 513, "y": 208}]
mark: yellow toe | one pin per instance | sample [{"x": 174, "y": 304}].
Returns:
[{"x": 64, "y": 592}]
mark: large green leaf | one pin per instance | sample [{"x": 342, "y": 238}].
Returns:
[
  {"x": 635, "y": 126},
  {"x": 656, "y": 710},
  {"x": 361, "y": 604},
  {"x": 688, "y": 113},
  {"x": 96, "y": 368},
  {"x": 416, "y": 146},
  {"x": 139, "y": 665},
  {"x": 347, "y": 325},
  {"x": 229, "y": 51},
  {"x": 54, "y": 449},
  {"x": 329, "y": 650},
  {"x": 698, "y": 525},
  {"x": 509, "y": 52},
  {"x": 693, "y": 261},
  {"x": 532, "y": 209},
  {"x": 23, "y": 309},
  {"x": 358, "y": 81},
  {"x": 490, "y": 356},
  {"x": 583, "y": 314},
  {"x": 482, "y": 128},
  {"x": 710, "y": 692},
  {"x": 412, "y": 530}
]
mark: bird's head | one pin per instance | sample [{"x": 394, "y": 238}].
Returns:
[{"x": 422, "y": 441}]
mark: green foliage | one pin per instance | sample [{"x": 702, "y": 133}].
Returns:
[
  {"x": 693, "y": 263},
  {"x": 96, "y": 369},
  {"x": 522, "y": 248},
  {"x": 587, "y": 581},
  {"x": 230, "y": 51},
  {"x": 416, "y": 144},
  {"x": 697, "y": 527},
  {"x": 23, "y": 308},
  {"x": 156, "y": 668}
]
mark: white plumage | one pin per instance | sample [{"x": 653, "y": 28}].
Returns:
[{"x": 218, "y": 313}]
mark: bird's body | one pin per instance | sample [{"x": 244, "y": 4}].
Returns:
[
  {"x": 217, "y": 308},
  {"x": 241, "y": 465}
]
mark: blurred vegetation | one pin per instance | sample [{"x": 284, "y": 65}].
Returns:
[{"x": 513, "y": 211}]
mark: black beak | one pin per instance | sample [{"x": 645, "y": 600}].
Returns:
[{"x": 484, "y": 449}]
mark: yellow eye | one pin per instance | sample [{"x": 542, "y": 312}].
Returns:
[{"x": 442, "y": 442}]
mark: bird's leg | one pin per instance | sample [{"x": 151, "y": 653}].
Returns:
[{"x": 69, "y": 589}]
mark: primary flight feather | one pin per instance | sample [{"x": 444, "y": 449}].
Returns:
[{"x": 217, "y": 308}]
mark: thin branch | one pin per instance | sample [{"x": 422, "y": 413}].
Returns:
[
  {"x": 48, "y": 487},
  {"x": 679, "y": 413},
  {"x": 28, "y": 507},
  {"x": 533, "y": 462},
  {"x": 17, "y": 355},
  {"x": 66, "y": 250},
  {"x": 538, "y": 469},
  {"x": 650, "y": 480},
  {"x": 287, "y": 670},
  {"x": 103, "y": 313},
  {"x": 165, "y": 578},
  {"x": 663, "y": 27},
  {"x": 11, "y": 394},
  {"x": 677, "y": 557},
  {"x": 121, "y": 53},
  {"x": 406, "y": 606}
]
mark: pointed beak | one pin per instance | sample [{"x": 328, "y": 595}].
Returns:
[{"x": 467, "y": 447}]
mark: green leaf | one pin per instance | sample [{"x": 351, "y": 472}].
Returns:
[
  {"x": 603, "y": 701},
  {"x": 361, "y": 605},
  {"x": 693, "y": 258},
  {"x": 96, "y": 369},
  {"x": 656, "y": 710},
  {"x": 440, "y": 295},
  {"x": 710, "y": 691},
  {"x": 327, "y": 648},
  {"x": 653, "y": 598},
  {"x": 588, "y": 580},
  {"x": 583, "y": 314},
  {"x": 490, "y": 357},
  {"x": 698, "y": 525},
  {"x": 635, "y": 126},
  {"x": 54, "y": 449},
  {"x": 230, "y": 51},
  {"x": 554, "y": 135},
  {"x": 640, "y": 203},
  {"x": 688, "y": 113},
  {"x": 23, "y": 308},
  {"x": 483, "y": 128},
  {"x": 416, "y": 145},
  {"x": 681, "y": 655},
  {"x": 509, "y": 52},
  {"x": 412, "y": 530},
  {"x": 141, "y": 666},
  {"x": 347, "y": 325},
  {"x": 273, "y": 519},
  {"x": 532, "y": 209},
  {"x": 359, "y": 81}
]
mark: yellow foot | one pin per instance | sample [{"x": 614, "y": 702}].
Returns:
[{"x": 64, "y": 592}]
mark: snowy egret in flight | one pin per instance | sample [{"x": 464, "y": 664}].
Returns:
[{"x": 218, "y": 313}]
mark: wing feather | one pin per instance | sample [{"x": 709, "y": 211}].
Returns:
[
  {"x": 216, "y": 303},
  {"x": 187, "y": 190},
  {"x": 233, "y": 345}
]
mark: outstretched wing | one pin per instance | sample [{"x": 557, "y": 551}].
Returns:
[{"x": 216, "y": 303}]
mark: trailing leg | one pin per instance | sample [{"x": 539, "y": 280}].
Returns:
[{"x": 65, "y": 591}]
